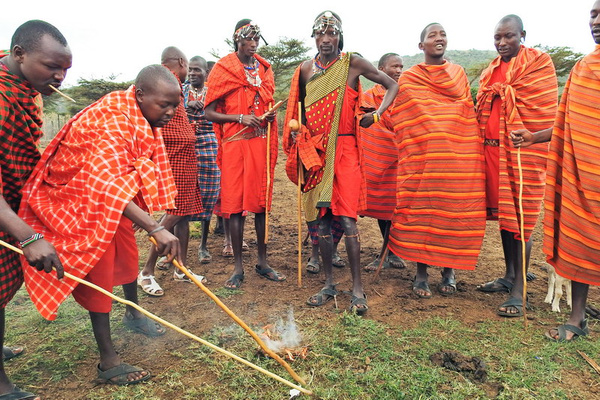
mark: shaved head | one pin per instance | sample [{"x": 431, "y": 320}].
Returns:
[
  {"x": 199, "y": 60},
  {"x": 157, "y": 93},
  {"x": 512, "y": 17},
  {"x": 176, "y": 61},
  {"x": 149, "y": 76}
]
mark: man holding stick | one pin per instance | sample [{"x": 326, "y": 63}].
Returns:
[
  {"x": 238, "y": 99},
  {"x": 99, "y": 174},
  {"x": 39, "y": 57},
  {"x": 571, "y": 202},
  {"x": 328, "y": 88}
]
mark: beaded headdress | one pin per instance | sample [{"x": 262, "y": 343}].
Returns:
[{"x": 328, "y": 19}]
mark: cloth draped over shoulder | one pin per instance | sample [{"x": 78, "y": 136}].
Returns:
[
  {"x": 528, "y": 101},
  {"x": 104, "y": 157},
  {"x": 315, "y": 144},
  {"x": 20, "y": 132},
  {"x": 227, "y": 85},
  {"x": 572, "y": 201},
  {"x": 380, "y": 159},
  {"x": 440, "y": 202}
]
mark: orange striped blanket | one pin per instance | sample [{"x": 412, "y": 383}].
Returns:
[
  {"x": 380, "y": 159},
  {"x": 528, "y": 100},
  {"x": 440, "y": 201},
  {"x": 572, "y": 202},
  {"x": 104, "y": 157}
]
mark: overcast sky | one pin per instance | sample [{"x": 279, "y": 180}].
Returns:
[{"x": 113, "y": 37}]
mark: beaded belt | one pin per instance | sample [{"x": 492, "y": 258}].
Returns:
[{"x": 491, "y": 142}]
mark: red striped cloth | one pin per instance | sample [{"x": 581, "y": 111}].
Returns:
[
  {"x": 243, "y": 187},
  {"x": 572, "y": 201},
  {"x": 527, "y": 99},
  {"x": 380, "y": 159},
  {"x": 440, "y": 202},
  {"x": 101, "y": 159}
]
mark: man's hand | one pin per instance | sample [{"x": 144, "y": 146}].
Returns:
[
  {"x": 522, "y": 138},
  {"x": 167, "y": 245},
  {"x": 195, "y": 105},
  {"x": 367, "y": 120},
  {"x": 42, "y": 255}
]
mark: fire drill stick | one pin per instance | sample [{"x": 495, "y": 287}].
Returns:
[
  {"x": 268, "y": 181},
  {"x": 522, "y": 232},
  {"x": 174, "y": 327}
]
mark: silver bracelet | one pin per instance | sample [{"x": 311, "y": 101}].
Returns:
[
  {"x": 241, "y": 118},
  {"x": 152, "y": 232}
]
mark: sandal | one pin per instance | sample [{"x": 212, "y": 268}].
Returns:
[
  {"x": 395, "y": 262},
  {"x": 227, "y": 251},
  {"x": 235, "y": 282},
  {"x": 121, "y": 372},
  {"x": 337, "y": 261},
  {"x": 514, "y": 302},
  {"x": 497, "y": 285},
  {"x": 204, "y": 256},
  {"x": 324, "y": 295},
  {"x": 374, "y": 265},
  {"x": 181, "y": 277},
  {"x": 11, "y": 352},
  {"x": 143, "y": 325},
  {"x": 18, "y": 394},
  {"x": 313, "y": 266},
  {"x": 152, "y": 288},
  {"x": 269, "y": 273},
  {"x": 449, "y": 284},
  {"x": 162, "y": 264},
  {"x": 563, "y": 329},
  {"x": 359, "y": 305},
  {"x": 424, "y": 286}
]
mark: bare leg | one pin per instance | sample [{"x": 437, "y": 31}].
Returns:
[
  {"x": 6, "y": 385},
  {"x": 353, "y": 250},
  {"x": 236, "y": 230},
  {"x": 326, "y": 248},
  {"x": 421, "y": 276},
  {"x": 259, "y": 226},
  {"x": 517, "y": 290},
  {"x": 169, "y": 222},
  {"x": 182, "y": 231},
  {"x": 580, "y": 294},
  {"x": 205, "y": 231}
]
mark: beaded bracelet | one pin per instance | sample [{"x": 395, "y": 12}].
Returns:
[
  {"x": 152, "y": 232},
  {"x": 375, "y": 117},
  {"x": 33, "y": 238},
  {"x": 241, "y": 118}
]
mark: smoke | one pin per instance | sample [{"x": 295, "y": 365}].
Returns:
[{"x": 284, "y": 334}]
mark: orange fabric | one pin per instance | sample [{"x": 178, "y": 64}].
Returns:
[
  {"x": 528, "y": 100},
  {"x": 380, "y": 161},
  {"x": 572, "y": 200},
  {"x": 101, "y": 159},
  {"x": 117, "y": 266},
  {"x": 227, "y": 85},
  {"x": 440, "y": 203}
]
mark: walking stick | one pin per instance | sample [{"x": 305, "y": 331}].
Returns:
[
  {"x": 172, "y": 326},
  {"x": 522, "y": 232},
  {"x": 241, "y": 323},
  {"x": 268, "y": 181},
  {"x": 384, "y": 252}
]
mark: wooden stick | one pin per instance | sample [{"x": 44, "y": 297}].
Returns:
[
  {"x": 62, "y": 94},
  {"x": 268, "y": 181},
  {"x": 275, "y": 107},
  {"x": 241, "y": 323},
  {"x": 523, "y": 246},
  {"x": 172, "y": 326},
  {"x": 384, "y": 252},
  {"x": 592, "y": 363},
  {"x": 300, "y": 182}
]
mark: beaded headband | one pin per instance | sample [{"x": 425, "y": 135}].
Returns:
[
  {"x": 250, "y": 30},
  {"x": 326, "y": 20}
]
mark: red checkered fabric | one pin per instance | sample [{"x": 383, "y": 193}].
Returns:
[{"x": 102, "y": 159}]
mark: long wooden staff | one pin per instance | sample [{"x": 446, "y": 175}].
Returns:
[
  {"x": 298, "y": 127},
  {"x": 262, "y": 117},
  {"x": 241, "y": 323},
  {"x": 268, "y": 180},
  {"x": 174, "y": 327},
  {"x": 384, "y": 252},
  {"x": 522, "y": 232}
]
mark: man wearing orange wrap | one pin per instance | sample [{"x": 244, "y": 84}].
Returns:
[
  {"x": 439, "y": 218},
  {"x": 327, "y": 145},
  {"x": 517, "y": 90},
  {"x": 571, "y": 205},
  {"x": 240, "y": 90},
  {"x": 381, "y": 161},
  {"x": 102, "y": 170}
]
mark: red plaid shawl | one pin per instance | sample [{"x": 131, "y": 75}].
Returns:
[{"x": 101, "y": 159}]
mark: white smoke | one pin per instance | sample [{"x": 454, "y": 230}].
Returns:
[{"x": 285, "y": 333}]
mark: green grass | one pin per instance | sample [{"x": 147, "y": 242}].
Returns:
[{"x": 350, "y": 358}]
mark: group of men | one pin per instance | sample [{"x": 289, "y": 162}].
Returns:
[{"x": 112, "y": 166}]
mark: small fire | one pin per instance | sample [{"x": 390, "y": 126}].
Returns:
[{"x": 284, "y": 339}]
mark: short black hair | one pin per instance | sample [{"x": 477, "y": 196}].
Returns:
[
  {"x": 28, "y": 35},
  {"x": 513, "y": 17},
  {"x": 424, "y": 31},
  {"x": 385, "y": 57},
  {"x": 150, "y": 75}
]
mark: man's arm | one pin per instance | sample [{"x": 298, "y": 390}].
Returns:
[
  {"x": 211, "y": 114},
  {"x": 40, "y": 253},
  {"x": 524, "y": 138}
]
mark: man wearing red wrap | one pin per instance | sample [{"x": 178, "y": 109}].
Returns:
[
  {"x": 240, "y": 90},
  {"x": 327, "y": 145},
  {"x": 517, "y": 90},
  {"x": 381, "y": 161},
  {"x": 95, "y": 178},
  {"x": 39, "y": 57}
]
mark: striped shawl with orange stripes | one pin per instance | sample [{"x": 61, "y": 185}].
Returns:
[
  {"x": 440, "y": 202},
  {"x": 572, "y": 201},
  {"x": 103, "y": 158},
  {"x": 529, "y": 100}
]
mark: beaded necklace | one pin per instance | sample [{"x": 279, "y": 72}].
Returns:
[
  {"x": 318, "y": 66},
  {"x": 252, "y": 73}
]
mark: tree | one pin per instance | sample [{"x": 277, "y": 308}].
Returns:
[{"x": 564, "y": 58}]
